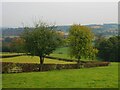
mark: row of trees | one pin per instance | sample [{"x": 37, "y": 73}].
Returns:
[
  {"x": 43, "y": 39},
  {"x": 12, "y": 44}
]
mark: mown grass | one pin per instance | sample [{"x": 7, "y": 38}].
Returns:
[
  {"x": 99, "y": 77},
  {"x": 63, "y": 52},
  {"x": 8, "y": 54},
  {"x": 32, "y": 59}
]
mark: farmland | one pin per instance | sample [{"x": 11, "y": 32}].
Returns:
[
  {"x": 59, "y": 45},
  {"x": 31, "y": 59},
  {"x": 63, "y": 52},
  {"x": 35, "y": 59},
  {"x": 99, "y": 77}
]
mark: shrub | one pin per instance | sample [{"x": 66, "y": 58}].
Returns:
[
  {"x": 9, "y": 67},
  {"x": 95, "y": 64}
]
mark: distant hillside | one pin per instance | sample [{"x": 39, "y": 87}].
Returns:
[
  {"x": 11, "y": 31},
  {"x": 105, "y": 29},
  {"x": 64, "y": 28}
]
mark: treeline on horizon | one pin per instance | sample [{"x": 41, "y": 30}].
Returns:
[{"x": 105, "y": 29}]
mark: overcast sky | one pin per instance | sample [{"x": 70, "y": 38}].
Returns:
[{"x": 15, "y": 14}]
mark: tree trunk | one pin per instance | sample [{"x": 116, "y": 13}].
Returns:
[
  {"x": 79, "y": 58},
  {"x": 78, "y": 62},
  {"x": 41, "y": 62}
]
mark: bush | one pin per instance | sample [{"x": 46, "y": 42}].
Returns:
[
  {"x": 95, "y": 64},
  {"x": 9, "y": 67},
  {"x": 109, "y": 49}
]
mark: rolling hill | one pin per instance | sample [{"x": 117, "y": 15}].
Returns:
[{"x": 105, "y": 29}]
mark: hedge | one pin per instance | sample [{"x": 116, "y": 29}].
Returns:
[
  {"x": 9, "y": 67},
  {"x": 95, "y": 64}
]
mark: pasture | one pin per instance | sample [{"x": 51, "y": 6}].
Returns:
[
  {"x": 63, "y": 52},
  {"x": 98, "y": 77},
  {"x": 33, "y": 59}
]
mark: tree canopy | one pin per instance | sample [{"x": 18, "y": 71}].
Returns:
[
  {"x": 41, "y": 40},
  {"x": 109, "y": 49},
  {"x": 80, "y": 42}
]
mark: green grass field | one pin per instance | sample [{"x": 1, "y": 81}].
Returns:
[
  {"x": 32, "y": 59},
  {"x": 7, "y": 54},
  {"x": 62, "y": 52},
  {"x": 59, "y": 52},
  {"x": 99, "y": 77}
]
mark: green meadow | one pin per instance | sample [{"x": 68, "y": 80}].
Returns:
[
  {"x": 98, "y": 77},
  {"x": 33, "y": 59}
]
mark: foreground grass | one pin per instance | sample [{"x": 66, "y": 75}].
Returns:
[
  {"x": 31, "y": 59},
  {"x": 99, "y": 77}
]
